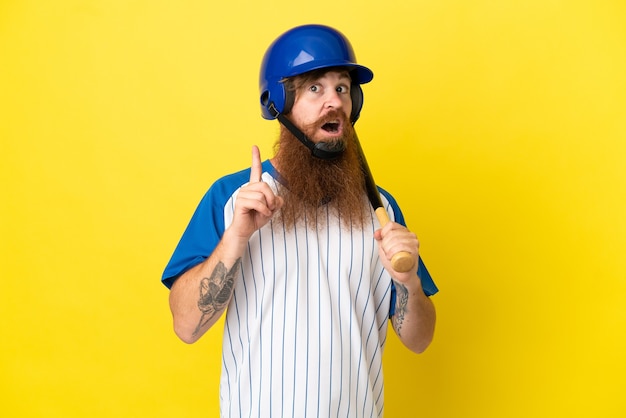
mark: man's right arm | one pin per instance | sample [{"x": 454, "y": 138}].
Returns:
[{"x": 200, "y": 295}]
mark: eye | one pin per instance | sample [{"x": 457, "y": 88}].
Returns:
[
  {"x": 314, "y": 88},
  {"x": 343, "y": 89}
]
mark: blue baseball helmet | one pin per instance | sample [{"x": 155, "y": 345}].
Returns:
[{"x": 303, "y": 49}]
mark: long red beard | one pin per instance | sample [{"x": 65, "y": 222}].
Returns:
[{"x": 314, "y": 185}]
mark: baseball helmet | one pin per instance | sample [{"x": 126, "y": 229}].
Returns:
[{"x": 303, "y": 49}]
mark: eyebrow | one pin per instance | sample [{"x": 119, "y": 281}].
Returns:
[{"x": 347, "y": 78}]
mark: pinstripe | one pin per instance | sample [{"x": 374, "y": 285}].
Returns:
[
  {"x": 232, "y": 353},
  {"x": 379, "y": 395},
  {"x": 255, "y": 311},
  {"x": 319, "y": 328},
  {"x": 308, "y": 318},
  {"x": 282, "y": 338},
  {"x": 260, "y": 365},
  {"x": 330, "y": 362},
  {"x": 340, "y": 326},
  {"x": 351, "y": 302},
  {"x": 295, "y": 340},
  {"x": 225, "y": 370},
  {"x": 361, "y": 352},
  {"x": 273, "y": 306},
  {"x": 238, "y": 323},
  {"x": 369, "y": 363},
  {"x": 224, "y": 392}
]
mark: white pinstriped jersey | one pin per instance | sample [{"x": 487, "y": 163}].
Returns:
[{"x": 305, "y": 330}]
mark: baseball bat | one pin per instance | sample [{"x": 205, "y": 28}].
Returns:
[{"x": 402, "y": 261}]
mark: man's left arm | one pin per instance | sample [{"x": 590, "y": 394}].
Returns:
[{"x": 414, "y": 317}]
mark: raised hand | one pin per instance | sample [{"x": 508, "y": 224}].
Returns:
[{"x": 256, "y": 202}]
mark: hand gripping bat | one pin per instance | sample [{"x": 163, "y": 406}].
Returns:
[{"x": 401, "y": 261}]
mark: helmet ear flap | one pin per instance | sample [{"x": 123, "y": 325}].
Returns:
[
  {"x": 356, "y": 93},
  {"x": 273, "y": 100}
]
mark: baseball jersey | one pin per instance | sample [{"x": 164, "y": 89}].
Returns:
[{"x": 305, "y": 329}]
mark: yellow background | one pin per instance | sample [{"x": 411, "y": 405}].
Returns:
[{"x": 500, "y": 127}]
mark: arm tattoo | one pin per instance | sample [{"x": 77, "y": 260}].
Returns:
[
  {"x": 402, "y": 298},
  {"x": 215, "y": 292}
]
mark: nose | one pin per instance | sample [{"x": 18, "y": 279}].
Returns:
[{"x": 333, "y": 100}]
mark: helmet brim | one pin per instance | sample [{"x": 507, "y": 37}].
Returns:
[{"x": 359, "y": 73}]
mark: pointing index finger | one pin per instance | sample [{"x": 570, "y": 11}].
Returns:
[{"x": 257, "y": 169}]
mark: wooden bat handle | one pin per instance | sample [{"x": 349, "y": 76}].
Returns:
[{"x": 401, "y": 261}]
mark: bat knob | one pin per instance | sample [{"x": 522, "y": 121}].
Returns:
[{"x": 402, "y": 262}]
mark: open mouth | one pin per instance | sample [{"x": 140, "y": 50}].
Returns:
[{"x": 331, "y": 127}]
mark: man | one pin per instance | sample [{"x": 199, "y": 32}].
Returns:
[{"x": 290, "y": 250}]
